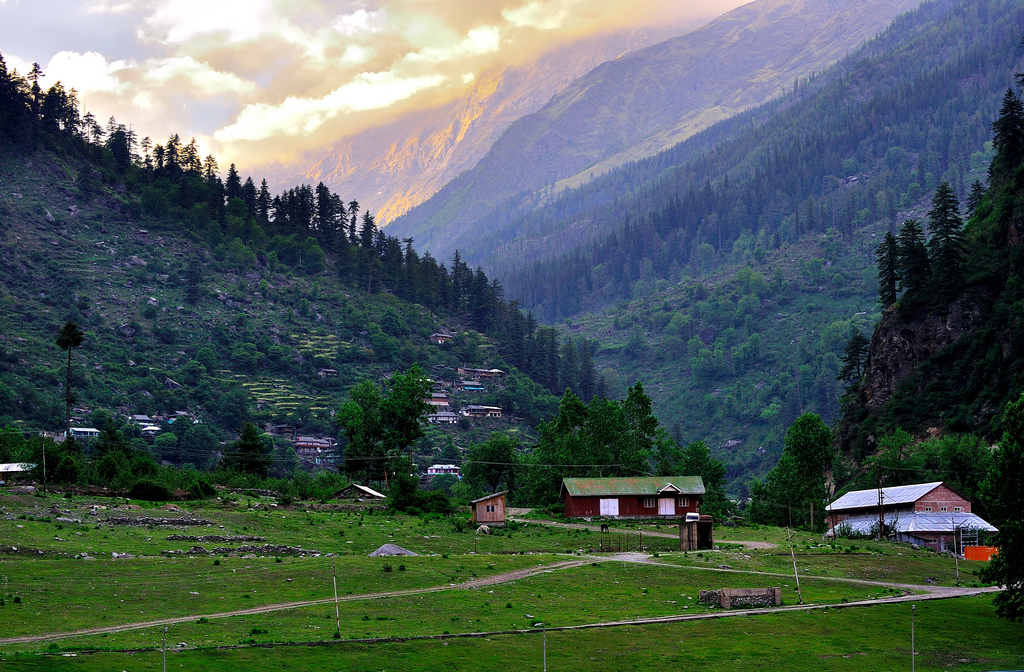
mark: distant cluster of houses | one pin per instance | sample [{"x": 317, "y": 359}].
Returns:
[{"x": 470, "y": 380}]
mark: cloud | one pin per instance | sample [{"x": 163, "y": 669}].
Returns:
[
  {"x": 358, "y": 21},
  {"x": 263, "y": 80},
  {"x": 88, "y": 73},
  {"x": 200, "y": 77},
  {"x": 297, "y": 116},
  {"x": 107, "y": 7}
]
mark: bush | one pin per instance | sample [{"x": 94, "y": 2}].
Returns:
[
  {"x": 151, "y": 491},
  {"x": 200, "y": 490}
]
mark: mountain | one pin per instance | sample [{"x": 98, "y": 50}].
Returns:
[
  {"x": 731, "y": 270},
  {"x": 644, "y": 102},
  {"x": 399, "y": 165}
]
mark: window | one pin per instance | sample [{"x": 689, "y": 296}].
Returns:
[
  {"x": 490, "y": 508},
  {"x": 927, "y": 509},
  {"x": 650, "y": 503},
  {"x": 942, "y": 508},
  {"x": 958, "y": 508},
  {"x": 683, "y": 502}
]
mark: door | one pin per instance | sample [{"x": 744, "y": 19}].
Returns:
[
  {"x": 667, "y": 506},
  {"x": 609, "y": 507}
]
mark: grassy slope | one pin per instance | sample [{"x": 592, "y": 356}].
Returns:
[{"x": 94, "y": 267}]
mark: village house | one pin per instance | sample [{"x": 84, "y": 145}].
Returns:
[
  {"x": 84, "y": 433},
  {"x": 480, "y": 374},
  {"x": 628, "y": 497},
  {"x": 440, "y": 338},
  {"x": 441, "y": 469},
  {"x": 327, "y": 373},
  {"x": 489, "y": 509},
  {"x": 470, "y": 386},
  {"x": 474, "y": 411},
  {"x": 438, "y": 400},
  {"x": 443, "y": 418},
  {"x": 314, "y": 449},
  {"x": 927, "y": 514}
]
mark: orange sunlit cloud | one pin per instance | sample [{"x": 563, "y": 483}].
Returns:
[{"x": 263, "y": 80}]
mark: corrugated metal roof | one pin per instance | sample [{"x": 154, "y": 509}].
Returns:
[
  {"x": 490, "y": 496},
  {"x": 901, "y": 494},
  {"x": 593, "y": 487},
  {"x": 919, "y": 522},
  {"x": 15, "y": 467}
]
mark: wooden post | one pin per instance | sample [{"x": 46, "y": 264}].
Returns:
[
  {"x": 337, "y": 613},
  {"x": 956, "y": 552},
  {"x": 163, "y": 648},
  {"x": 800, "y": 595}
]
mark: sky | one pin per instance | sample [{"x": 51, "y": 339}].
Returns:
[{"x": 256, "y": 81}]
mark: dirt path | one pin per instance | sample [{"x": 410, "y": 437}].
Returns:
[{"x": 663, "y": 535}]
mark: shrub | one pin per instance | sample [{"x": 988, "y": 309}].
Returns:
[
  {"x": 200, "y": 490},
  {"x": 150, "y": 491}
]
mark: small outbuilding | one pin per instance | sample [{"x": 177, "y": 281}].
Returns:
[
  {"x": 489, "y": 509},
  {"x": 356, "y": 491}
]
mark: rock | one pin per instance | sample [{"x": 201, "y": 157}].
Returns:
[
  {"x": 388, "y": 550},
  {"x": 725, "y": 566},
  {"x": 915, "y": 547},
  {"x": 49, "y": 217},
  {"x": 133, "y": 260}
]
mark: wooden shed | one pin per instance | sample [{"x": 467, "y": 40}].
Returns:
[{"x": 489, "y": 509}]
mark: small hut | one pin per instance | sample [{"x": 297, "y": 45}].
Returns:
[
  {"x": 360, "y": 492},
  {"x": 489, "y": 509},
  {"x": 696, "y": 533}
]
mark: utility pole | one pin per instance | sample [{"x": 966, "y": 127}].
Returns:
[
  {"x": 956, "y": 551},
  {"x": 337, "y": 613},
  {"x": 881, "y": 515},
  {"x": 800, "y": 595},
  {"x": 913, "y": 607},
  {"x": 163, "y": 648}
]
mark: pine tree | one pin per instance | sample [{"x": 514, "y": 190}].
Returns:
[
  {"x": 1008, "y": 133},
  {"x": 233, "y": 184},
  {"x": 887, "y": 255},
  {"x": 854, "y": 355},
  {"x": 974, "y": 198},
  {"x": 914, "y": 268},
  {"x": 946, "y": 245}
]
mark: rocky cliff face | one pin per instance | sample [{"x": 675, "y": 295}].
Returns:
[{"x": 901, "y": 344}]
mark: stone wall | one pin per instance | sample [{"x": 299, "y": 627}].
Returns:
[{"x": 732, "y": 598}]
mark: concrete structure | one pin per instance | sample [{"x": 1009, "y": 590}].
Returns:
[
  {"x": 490, "y": 509},
  {"x": 651, "y": 497},
  {"x": 927, "y": 514},
  {"x": 84, "y": 433},
  {"x": 731, "y": 598}
]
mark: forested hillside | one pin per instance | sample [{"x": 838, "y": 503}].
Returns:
[
  {"x": 948, "y": 353},
  {"x": 215, "y": 297},
  {"x": 859, "y": 144}
]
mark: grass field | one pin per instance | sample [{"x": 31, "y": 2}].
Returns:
[{"x": 557, "y": 581}]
